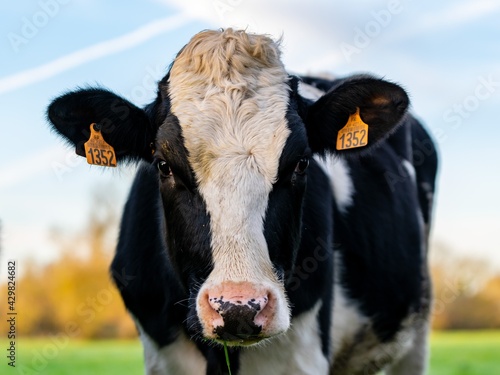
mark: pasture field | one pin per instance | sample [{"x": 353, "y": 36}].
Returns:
[
  {"x": 465, "y": 353},
  {"x": 452, "y": 353}
]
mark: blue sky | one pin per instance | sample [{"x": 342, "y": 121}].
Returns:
[{"x": 446, "y": 55}]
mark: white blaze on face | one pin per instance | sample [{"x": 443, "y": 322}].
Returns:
[{"x": 229, "y": 92}]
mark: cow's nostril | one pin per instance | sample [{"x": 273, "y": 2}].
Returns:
[{"x": 258, "y": 303}]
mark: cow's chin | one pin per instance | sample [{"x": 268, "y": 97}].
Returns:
[
  {"x": 221, "y": 336},
  {"x": 233, "y": 341}
]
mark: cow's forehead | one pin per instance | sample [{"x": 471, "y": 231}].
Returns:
[{"x": 230, "y": 93}]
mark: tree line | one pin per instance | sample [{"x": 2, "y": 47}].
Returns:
[{"x": 75, "y": 294}]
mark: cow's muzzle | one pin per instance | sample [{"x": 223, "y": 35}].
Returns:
[{"x": 240, "y": 313}]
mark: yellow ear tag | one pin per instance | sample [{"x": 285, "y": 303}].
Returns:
[
  {"x": 353, "y": 134},
  {"x": 97, "y": 150}
]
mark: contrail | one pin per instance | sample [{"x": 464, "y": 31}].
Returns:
[{"x": 94, "y": 52}]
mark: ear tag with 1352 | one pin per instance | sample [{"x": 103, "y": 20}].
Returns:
[
  {"x": 353, "y": 134},
  {"x": 97, "y": 150}
]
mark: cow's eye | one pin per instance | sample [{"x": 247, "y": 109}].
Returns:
[
  {"x": 164, "y": 168},
  {"x": 301, "y": 166}
]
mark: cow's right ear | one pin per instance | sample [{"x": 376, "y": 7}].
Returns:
[{"x": 124, "y": 126}]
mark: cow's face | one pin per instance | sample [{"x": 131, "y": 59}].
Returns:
[
  {"x": 227, "y": 233},
  {"x": 232, "y": 143},
  {"x": 220, "y": 153}
]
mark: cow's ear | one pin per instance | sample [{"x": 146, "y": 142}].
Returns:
[
  {"x": 381, "y": 106},
  {"x": 124, "y": 126}
]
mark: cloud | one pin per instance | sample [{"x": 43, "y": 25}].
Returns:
[
  {"x": 94, "y": 52},
  {"x": 309, "y": 30},
  {"x": 451, "y": 17},
  {"x": 465, "y": 12}
]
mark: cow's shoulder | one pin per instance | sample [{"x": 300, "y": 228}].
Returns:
[
  {"x": 425, "y": 163},
  {"x": 380, "y": 236},
  {"x": 140, "y": 268}
]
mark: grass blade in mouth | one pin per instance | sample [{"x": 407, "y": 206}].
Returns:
[{"x": 226, "y": 353}]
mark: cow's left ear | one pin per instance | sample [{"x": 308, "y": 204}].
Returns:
[{"x": 381, "y": 105}]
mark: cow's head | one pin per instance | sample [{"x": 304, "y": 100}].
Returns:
[{"x": 231, "y": 139}]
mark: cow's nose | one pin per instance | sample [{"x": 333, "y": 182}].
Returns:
[{"x": 238, "y": 311}]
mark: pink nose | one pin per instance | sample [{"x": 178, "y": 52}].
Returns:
[{"x": 237, "y": 311}]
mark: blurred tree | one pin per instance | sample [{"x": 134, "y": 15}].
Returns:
[
  {"x": 74, "y": 295},
  {"x": 466, "y": 292}
]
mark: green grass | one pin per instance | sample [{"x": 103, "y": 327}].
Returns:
[
  {"x": 452, "y": 353},
  {"x": 60, "y": 357},
  {"x": 465, "y": 353}
]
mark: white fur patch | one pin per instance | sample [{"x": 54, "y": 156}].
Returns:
[
  {"x": 309, "y": 92},
  {"x": 338, "y": 172},
  {"x": 229, "y": 91},
  {"x": 356, "y": 349},
  {"x": 180, "y": 358},
  {"x": 410, "y": 169},
  {"x": 297, "y": 352},
  {"x": 415, "y": 358},
  {"x": 346, "y": 317}
]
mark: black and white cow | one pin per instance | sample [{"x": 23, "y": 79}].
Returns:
[{"x": 246, "y": 225}]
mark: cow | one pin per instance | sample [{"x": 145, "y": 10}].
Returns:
[{"x": 251, "y": 243}]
